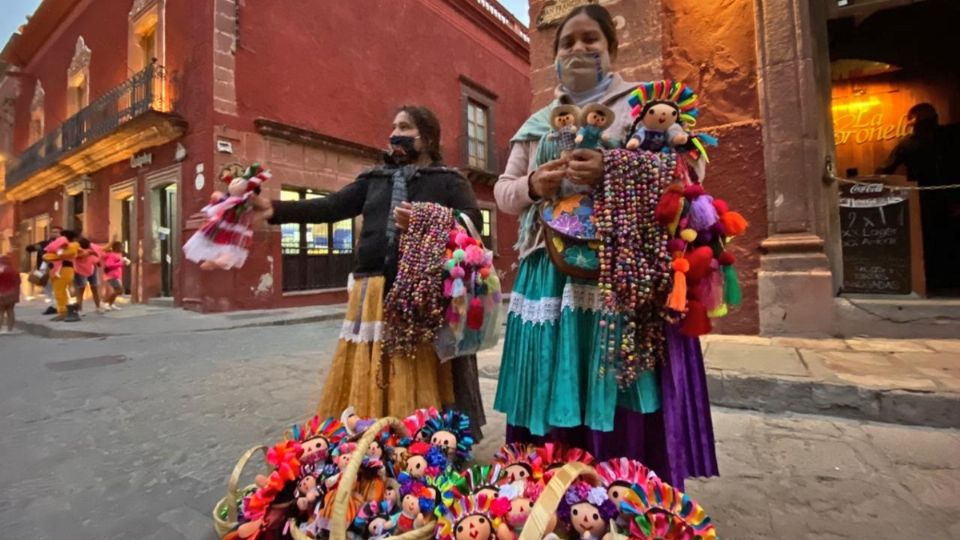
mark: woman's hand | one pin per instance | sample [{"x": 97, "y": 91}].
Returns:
[
  {"x": 545, "y": 181},
  {"x": 262, "y": 209},
  {"x": 401, "y": 215},
  {"x": 585, "y": 167}
]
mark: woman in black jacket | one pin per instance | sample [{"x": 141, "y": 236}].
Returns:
[{"x": 361, "y": 375}]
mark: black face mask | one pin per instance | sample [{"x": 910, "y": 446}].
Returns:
[{"x": 401, "y": 149}]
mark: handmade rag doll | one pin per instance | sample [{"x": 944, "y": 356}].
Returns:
[
  {"x": 565, "y": 120},
  {"x": 224, "y": 241}
]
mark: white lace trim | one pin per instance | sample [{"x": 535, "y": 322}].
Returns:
[
  {"x": 544, "y": 310},
  {"x": 367, "y": 332}
]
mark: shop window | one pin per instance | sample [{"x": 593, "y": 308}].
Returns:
[
  {"x": 488, "y": 229},
  {"x": 315, "y": 255}
]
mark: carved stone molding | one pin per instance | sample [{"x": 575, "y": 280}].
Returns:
[
  {"x": 38, "y": 95},
  {"x": 81, "y": 57}
]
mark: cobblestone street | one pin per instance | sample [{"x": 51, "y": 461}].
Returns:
[{"x": 133, "y": 437}]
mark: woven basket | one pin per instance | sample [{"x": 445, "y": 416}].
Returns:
[
  {"x": 230, "y": 499},
  {"x": 338, "y": 520},
  {"x": 546, "y": 506}
]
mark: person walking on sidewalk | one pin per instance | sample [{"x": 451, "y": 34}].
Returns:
[
  {"x": 113, "y": 263},
  {"x": 42, "y": 266},
  {"x": 62, "y": 253},
  {"x": 87, "y": 272},
  {"x": 553, "y": 329},
  {"x": 362, "y": 376},
  {"x": 9, "y": 293}
]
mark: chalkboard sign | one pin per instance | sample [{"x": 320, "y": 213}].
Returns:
[{"x": 875, "y": 225}]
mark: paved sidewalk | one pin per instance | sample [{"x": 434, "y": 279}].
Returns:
[
  {"x": 141, "y": 319},
  {"x": 900, "y": 381}
]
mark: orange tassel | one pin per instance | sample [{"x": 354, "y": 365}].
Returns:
[
  {"x": 734, "y": 224},
  {"x": 677, "y": 300}
]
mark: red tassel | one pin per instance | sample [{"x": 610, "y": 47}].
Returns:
[
  {"x": 733, "y": 223},
  {"x": 696, "y": 323},
  {"x": 726, "y": 258},
  {"x": 475, "y": 314},
  {"x": 721, "y": 206},
  {"x": 693, "y": 191},
  {"x": 699, "y": 259},
  {"x": 670, "y": 205}
]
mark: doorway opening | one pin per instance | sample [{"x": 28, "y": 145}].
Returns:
[{"x": 895, "y": 104}]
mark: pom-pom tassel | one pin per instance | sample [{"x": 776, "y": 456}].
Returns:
[
  {"x": 702, "y": 213},
  {"x": 670, "y": 205},
  {"x": 475, "y": 315},
  {"x": 677, "y": 300},
  {"x": 732, "y": 295},
  {"x": 458, "y": 289},
  {"x": 712, "y": 289},
  {"x": 734, "y": 224}
]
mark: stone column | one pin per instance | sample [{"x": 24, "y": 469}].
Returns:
[{"x": 795, "y": 278}]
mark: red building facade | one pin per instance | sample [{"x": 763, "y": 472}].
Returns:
[{"x": 118, "y": 115}]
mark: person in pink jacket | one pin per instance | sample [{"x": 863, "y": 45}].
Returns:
[
  {"x": 113, "y": 263},
  {"x": 87, "y": 271}
]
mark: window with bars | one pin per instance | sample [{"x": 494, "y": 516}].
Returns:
[
  {"x": 315, "y": 255},
  {"x": 477, "y": 140}
]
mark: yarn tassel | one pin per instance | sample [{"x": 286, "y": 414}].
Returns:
[
  {"x": 677, "y": 300},
  {"x": 475, "y": 315},
  {"x": 702, "y": 213},
  {"x": 732, "y": 295},
  {"x": 712, "y": 288},
  {"x": 734, "y": 224},
  {"x": 458, "y": 289},
  {"x": 670, "y": 205}
]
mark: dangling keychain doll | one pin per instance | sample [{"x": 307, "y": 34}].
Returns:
[{"x": 224, "y": 241}]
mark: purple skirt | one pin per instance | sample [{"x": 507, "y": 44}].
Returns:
[{"x": 676, "y": 441}]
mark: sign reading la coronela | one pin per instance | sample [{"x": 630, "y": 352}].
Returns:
[{"x": 555, "y": 10}]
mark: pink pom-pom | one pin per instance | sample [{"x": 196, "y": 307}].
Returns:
[
  {"x": 676, "y": 245},
  {"x": 721, "y": 206},
  {"x": 475, "y": 256},
  {"x": 463, "y": 239},
  {"x": 457, "y": 272},
  {"x": 448, "y": 287},
  {"x": 500, "y": 507}
]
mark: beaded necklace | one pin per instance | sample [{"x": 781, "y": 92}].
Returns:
[
  {"x": 414, "y": 307},
  {"x": 634, "y": 263}
]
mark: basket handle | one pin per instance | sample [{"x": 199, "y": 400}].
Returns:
[
  {"x": 235, "y": 479},
  {"x": 338, "y": 518},
  {"x": 548, "y": 502},
  {"x": 471, "y": 228}
]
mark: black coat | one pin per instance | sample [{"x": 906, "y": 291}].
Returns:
[{"x": 369, "y": 195}]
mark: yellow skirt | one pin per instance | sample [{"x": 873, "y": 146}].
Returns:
[{"x": 363, "y": 377}]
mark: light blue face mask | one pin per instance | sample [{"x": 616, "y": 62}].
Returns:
[{"x": 581, "y": 72}]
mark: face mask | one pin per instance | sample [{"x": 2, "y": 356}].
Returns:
[
  {"x": 402, "y": 149},
  {"x": 580, "y": 72}
]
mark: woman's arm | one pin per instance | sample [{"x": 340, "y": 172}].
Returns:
[
  {"x": 512, "y": 190},
  {"x": 344, "y": 204}
]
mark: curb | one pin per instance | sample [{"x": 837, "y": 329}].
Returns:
[
  {"x": 800, "y": 395},
  {"x": 45, "y": 331}
]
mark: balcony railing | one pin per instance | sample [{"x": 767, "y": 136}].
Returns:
[
  {"x": 506, "y": 19},
  {"x": 137, "y": 95}
]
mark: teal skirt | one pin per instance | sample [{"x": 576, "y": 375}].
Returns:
[{"x": 550, "y": 373}]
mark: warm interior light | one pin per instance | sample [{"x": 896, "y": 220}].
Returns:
[{"x": 860, "y": 104}]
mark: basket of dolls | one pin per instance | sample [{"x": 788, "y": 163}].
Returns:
[
  {"x": 357, "y": 498},
  {"x": 227, "y": 509},
  {"x": 414, "y": 479}
]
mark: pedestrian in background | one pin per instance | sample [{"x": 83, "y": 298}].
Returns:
[
  {"x": 62, "y": 253},
  {"x": 86, "y": 272},
  {"x": 43, "y": 267},
  {"x": 113, "y": 263},
  {"x": 9, "y": 293}
]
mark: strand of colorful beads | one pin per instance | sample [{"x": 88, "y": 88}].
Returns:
[
  {"x": 414, "y": 307},
  {"x": 634, "y": 263}
]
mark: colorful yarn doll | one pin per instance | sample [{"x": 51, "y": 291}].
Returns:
[
  {"x": 519, "y": 461},
  {"x": 410, "y": 491},
  {"x": 369, "y": 485},
  {"x": 269, "y": 507},
  {"x": 595, "y": 119},
  {"x": 587, "y": 510},
  {"x": 415, "y": 422},
  {"x": 317, "y": 437},
  {"x": 224, "y": 241},
  {"x": 354, "y": 424},
  {"x": 657, "y": 511},
  {"x": 451, "y": 432},
  {"x": 565, "y": 121},
  {"x": 519, "y": 498},
  {"x": 425, "y": 460},
  {"x": 619, "y": 475},
  {"x": 468, "y": 518},
  {"x": 484, "y": 479},
  {"x": 375, "y": 520}
]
